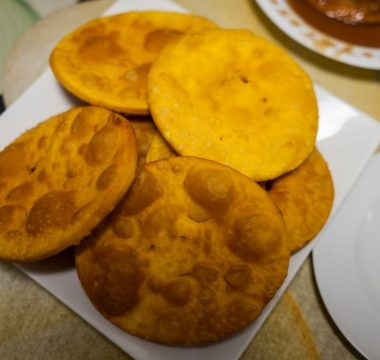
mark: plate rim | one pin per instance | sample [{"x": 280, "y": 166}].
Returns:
[{"x": 323, "y": 254}]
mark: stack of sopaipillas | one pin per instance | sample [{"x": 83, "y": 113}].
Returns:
[{"x": 185, "y": 234}]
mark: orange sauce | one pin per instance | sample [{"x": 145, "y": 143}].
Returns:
[{"x": 358, "y": 34}]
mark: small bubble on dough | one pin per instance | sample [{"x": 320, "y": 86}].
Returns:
[
  {"x": 211, "y": 188},
  {"x": 238, "y": 276},
  {"x": 145, "y": 190},
  {"x": 106, "y": 178},
  {"x": 159, "y": 219},
  {"x": 52, "y": 210},
  {"x": 83, "y": 122},
  {"x": 254, "y": 236},
  {"x": 178, "y": 292},
  {"x": 204, "y": 273},
  {"x": 123, "y": 227},
  {"x": 102, "y": 146},
  {"x": 118, "y": 281},
  {"x": 21, "y": 192}
]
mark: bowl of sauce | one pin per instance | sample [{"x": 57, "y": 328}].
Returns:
[
  {"x": 344, "y": 30},
  {"x": 353, "y": 21}
]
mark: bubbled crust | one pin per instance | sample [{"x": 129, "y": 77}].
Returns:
[
  {"x": 247, "y": 104},
  {"x": 59, "y": 179},
  {"x": 191, "y": 254},
  {"x": 120, "y": 48},
  {"x": 305, "y": 198}
]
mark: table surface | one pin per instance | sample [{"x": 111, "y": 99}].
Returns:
[{"x": 34, "y": 325}]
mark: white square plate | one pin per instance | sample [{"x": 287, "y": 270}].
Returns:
[{"x": 347, "y": 139}]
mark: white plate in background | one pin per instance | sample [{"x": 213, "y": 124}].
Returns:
[
  {"x": 347, "y": 138},
  {"x": 282, "y": 15},
  {"x": 347, "y": 264}
]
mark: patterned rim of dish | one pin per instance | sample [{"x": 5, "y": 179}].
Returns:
[{"x": 293, "y": 25}]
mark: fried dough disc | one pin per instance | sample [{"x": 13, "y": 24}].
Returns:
[
  {"x": 191, "y": 254},
  {"x": 304, "y": 197},
  {"x": 105, "y": 62},
  {"x": 232, "y": 97},
  {"x": 59, "y": 179}
]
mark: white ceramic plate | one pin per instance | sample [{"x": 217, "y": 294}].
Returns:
[
  {"x": 280, "y": 12},
  {"x": 347, "y": 264},
  {"x": 347, "y": 139}
]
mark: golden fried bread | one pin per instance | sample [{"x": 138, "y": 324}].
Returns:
[
  {"x": 232, "y": 97},
  {"x": 59, "y": 179},
  {"x": 304, "y": 197},
  {"x": 105, "y": 62},
  {"x": 191, "y": 254},
  {"x": 159, "y": 149}
]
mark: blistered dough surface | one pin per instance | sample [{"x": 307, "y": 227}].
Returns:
[
  {"x": 106, "y": 61},
  {"x": 59, "y": 179},
  {"x": 191, "y": 254},
  {"x": 233, "y": 97}
]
